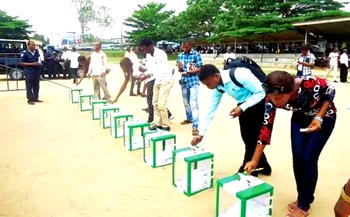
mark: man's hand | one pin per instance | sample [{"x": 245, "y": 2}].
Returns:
[
  {"x": 236, "y": 112},
  {"x": 180, "y": 65},
  {"x": 114, "y": 100},
  {"x": 196, "y": 140},
  {"x": 249, "y": 166}
]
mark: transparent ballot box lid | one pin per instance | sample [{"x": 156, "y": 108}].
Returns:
[
  {"x": 242, "y": 195},
  {"x": 192, "y": 170},
  {"x": 158, "y": 148},
  {"x": 117, "y": 122},
  {"x": 133, "y": 134}
]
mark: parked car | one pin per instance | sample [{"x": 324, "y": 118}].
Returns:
[{"x": 10, "y": 57}]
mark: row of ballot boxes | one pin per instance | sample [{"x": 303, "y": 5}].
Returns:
[{"x": 239, "y": 195}]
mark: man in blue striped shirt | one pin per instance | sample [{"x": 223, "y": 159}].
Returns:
[
  {"x": 189, "y": 63},
  {"x": 250, "y": 108}
]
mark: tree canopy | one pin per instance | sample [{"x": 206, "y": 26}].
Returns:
[
  {"x": 215, "y": 20},
  {"x": 12, "y": 27},
  {"x": 148, "y": 21}
]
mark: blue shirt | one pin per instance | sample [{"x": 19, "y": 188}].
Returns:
[
  {"x": 29, "y": 57},
  {"x": 247, "y": 96},
  {"x": 193, "y": 57}
]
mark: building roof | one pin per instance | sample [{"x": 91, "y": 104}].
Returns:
[{"x": 336, "y": 27}]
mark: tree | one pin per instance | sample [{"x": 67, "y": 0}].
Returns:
[
  {"x": 149, "y": 21},
  {"x": 244, "y": 18},
  {"x": 12, "y": 27},
  {"x": 89, "y": 13}
]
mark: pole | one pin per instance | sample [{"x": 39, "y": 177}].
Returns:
[{"x": 306, "y": 36}]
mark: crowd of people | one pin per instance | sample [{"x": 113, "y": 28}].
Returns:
[{"x": 310, "y": 99}]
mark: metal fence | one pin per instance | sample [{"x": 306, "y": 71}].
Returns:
[{"x": 11, "y": 73}]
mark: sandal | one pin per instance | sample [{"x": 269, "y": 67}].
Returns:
[
  {"x": 297, "y": 212},
  {"x": 292, "y": 206}
]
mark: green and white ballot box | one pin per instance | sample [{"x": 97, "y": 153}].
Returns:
[
  {"x": 96, "y": 104},
  {"x": 192, "y": 170},
  {"x": 74, "y": 94},
  {"x": 133, "y": 134},
  {"x": 117, "y": 123},
  {"x": 158, "y": 147},
  {"x": 242, "y": 195},
  {"x": 85, "y": 102},
  {"x": 105, "y": 114}
]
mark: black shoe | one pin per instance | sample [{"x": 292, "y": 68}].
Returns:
[
  {"x": 132, "y": 94},
  {"x": 145, "y": 110},
  {"x": 31, "y": 103},
  {"x": 38, "y": 100},
  {"x": 166, "y": 128},
  {"x": 155, "y": 127}
]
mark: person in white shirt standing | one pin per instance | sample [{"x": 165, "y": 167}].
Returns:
[
  {"x": 98, "y": 70},
  {"x": 74, "y": 64},
  {"x": 333, "y": 63},
  {"x": 158, "y": 66},
  {"x": 131, "y": 54},
  {"x": 229, "y": 54},
  {"x": 344, "y": 64}
]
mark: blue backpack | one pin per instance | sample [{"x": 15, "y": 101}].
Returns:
[{"x": 245, "y": 62}]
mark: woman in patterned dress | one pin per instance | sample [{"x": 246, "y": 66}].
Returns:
[{"x": 312, "y": 123}]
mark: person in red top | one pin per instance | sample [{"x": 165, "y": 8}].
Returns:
[{"x": 312, "y": 123}]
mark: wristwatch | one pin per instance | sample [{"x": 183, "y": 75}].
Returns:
[{"x": 320, "y": 119}]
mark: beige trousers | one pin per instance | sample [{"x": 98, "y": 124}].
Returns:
[
  {"x": 160, "y": 98},
  {"x": 99, "y": 82}
]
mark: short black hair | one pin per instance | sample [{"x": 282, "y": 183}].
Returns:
[
  {"x": 146, "y": 42},
  {"x": 206, "y": 71},
  {"x": 81, "y": 58}
]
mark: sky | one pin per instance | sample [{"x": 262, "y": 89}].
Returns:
[{"x": 52, "y": 18}]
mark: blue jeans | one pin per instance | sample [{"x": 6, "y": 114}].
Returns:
[
  {"x": 306, "y": 149},
  {"x": 190, "y": 98}
]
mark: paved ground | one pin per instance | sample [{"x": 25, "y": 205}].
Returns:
[{"x": 55, "y": 161}]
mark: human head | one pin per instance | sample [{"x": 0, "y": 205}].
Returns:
[
  {"x": 305, "y": 49},
  {"x": 126, "y": 65},
  {"x": 186, "y": 46},
  {"x": 228, "y": 50},
  {"x": 279, "y": 86},
  {"x": 31, "y": 46},
  {"x": 97, "y": 46},
  {"x": 335, "y": 49},
  {"x": 81, "y": 60},
  {"x": 147, "y": 45},
  {"x": 345, "y": 51},
  {"x": 128, "y": 49},
  {"x": 210, "y": 76}
]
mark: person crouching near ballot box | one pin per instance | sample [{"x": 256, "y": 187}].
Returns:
[
  {"x": 312, "y": 123},
  {"x": 250, "y": 108}
]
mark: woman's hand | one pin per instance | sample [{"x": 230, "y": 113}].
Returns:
[
  {"x": 314, "y": 126},
  {"x": 251, "y": 165}
]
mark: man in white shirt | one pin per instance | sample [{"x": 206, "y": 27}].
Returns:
[
  {"x": 74, "y": 64},
  {"x": 136, "y": 62},
  {"x": 158, "y": 67},
  {"x": 229, "y": 54},
  {"x": 98, "y": 70},
  {"x": 344, "y": 64},
  {"x": 333, "y": 63}
]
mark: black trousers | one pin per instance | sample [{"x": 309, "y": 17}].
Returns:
[
  {"x": 32, "y": 85},
  {"x": 149, "y": 100},
  {"x": 250, "y": 123},
  {"x": 343, "y": 73}
]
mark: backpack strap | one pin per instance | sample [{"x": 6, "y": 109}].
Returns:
[{"x": 233, "y": 78}]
